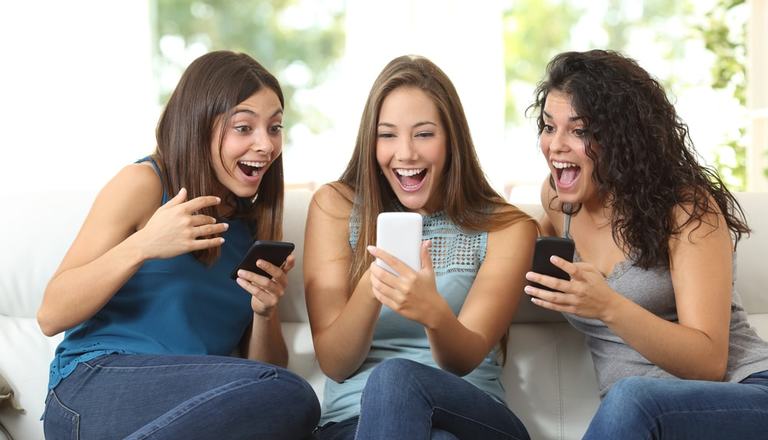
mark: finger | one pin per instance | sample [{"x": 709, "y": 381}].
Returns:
[
  {"x": 208, "y": 230},
  {"x": 549, "y": 296},
  {"x": 205, "y": 243},
  {"x": 178, "y": 199},
  {"x": 264, "y": 297},
  {"x": 553, "y": 306},
  {"x": 289, "y": 264},
  {"x": 564, "y": 264},
  {"x": 393, "y": 262},
  {"x": 254, "y": 278},
  {"x": 199, "y": 203},
  {"x": 384, "y": 300},
  {"x": 548, "y": 281},
  {"x": 199, "y": 220},
  {"x": 426, "y": 256},
  {"x": 393, "y": 296},
  {"x": 274, "y": 271},
  {"x": 385, "y": 277}
]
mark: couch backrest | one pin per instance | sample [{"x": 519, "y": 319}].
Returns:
[{"x": 36, "y": 237}]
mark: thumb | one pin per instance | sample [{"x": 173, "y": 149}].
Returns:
[
  {"x": 179, "y": 198},
  {"x": 426, "y": 256}
]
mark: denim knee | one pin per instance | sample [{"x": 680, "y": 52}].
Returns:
[
  {"x": 394, "y": 372},
  {"x": 631, "y": 397}
]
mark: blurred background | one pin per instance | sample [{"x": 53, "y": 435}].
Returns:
[{"x": 82, "y": 82}]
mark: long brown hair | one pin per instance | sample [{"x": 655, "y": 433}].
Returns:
[
  {"x": 470, "y": 201},
  {"x": 210, "y": 88}
]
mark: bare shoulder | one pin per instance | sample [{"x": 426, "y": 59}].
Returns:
[
  {"x": 133, "y": 195},
  {"x": 515, "y": 234},
  {"x": 334, "y": 199},
  {"x": 694, "y": 226}
]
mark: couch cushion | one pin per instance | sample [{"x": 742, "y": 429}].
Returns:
[
  {"x": 751, "y": 273},
  {"x": 25, "y": 354},
  {"x": 39, "y": 238}
]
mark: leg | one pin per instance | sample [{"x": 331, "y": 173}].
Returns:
[
  {"x": 344, "y": 430},
  {"x": 191, "y": 397},
  {"x": 651, "y": 408},
  {"x": 405, "y": 399}
]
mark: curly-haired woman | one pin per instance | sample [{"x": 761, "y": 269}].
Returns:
[{"x": 655, "y": 234}]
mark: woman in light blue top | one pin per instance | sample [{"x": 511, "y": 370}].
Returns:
[
  {"x": 413, "y": 355},
  {"x": 655, "y": 235},
  {"x": 145, "y": 296}
]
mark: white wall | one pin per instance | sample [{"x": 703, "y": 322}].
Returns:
[{"x": 77, "y": 97}]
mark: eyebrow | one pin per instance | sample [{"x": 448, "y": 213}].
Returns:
[
  {"x": 572, "y": 118},
  {"x": 252, "y": 113},
  {"x": 418, "y": 124}
]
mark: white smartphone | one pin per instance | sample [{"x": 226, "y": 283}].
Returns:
[{"x": 399, "y": 234}]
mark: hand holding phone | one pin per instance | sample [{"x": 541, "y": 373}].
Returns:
[
  {"x": 276, "y": 252},
  {"x": 545, "y": 248},
  {"x": 399, "y": 234}
]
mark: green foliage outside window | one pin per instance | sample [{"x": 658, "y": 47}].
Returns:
[{"x": 298, "y": 41}]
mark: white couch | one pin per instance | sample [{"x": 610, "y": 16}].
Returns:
[{"x": 549, "y": 375}]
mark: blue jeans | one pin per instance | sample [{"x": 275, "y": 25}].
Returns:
[
  {"x": 180, "y": 397},
  {"x": 653, "y": 408},
  {"x": 408, "y": 400}
]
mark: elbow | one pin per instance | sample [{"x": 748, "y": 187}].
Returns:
[{"x": 46, "y": 325}]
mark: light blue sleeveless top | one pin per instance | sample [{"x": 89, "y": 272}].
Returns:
[
  {"x": 456, "y": 257},
  {"x": 169, "y": 306}
]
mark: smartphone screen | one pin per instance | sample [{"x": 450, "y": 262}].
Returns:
[
  {"x": 276, "y": 252},
  {"x": 545, "y": 248},
  {"x": 399, "y": 234}
]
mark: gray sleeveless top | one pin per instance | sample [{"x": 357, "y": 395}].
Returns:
[{"x": 652, "y": 289}]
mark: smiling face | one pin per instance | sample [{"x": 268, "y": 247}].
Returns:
[
  {"x": 563, "y": 144},
  {"x": 411, "y": 148},
  {"x": 251, "y": 140}
]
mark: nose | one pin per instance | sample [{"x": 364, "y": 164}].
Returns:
[
  {"x": 558, "y": 143},
  {"x": 263, "y": 143},
  {"x": 406, "y": 151}
]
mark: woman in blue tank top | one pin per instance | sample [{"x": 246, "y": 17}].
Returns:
[
  {"x": 655, "y": 234},
  {"x": 412, "y": 355},
  {"x": 144, "y": 293}
]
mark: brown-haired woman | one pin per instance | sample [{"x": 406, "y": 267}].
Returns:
[
  {"x": 144, "y": 293},
  {"x": 414, "y": 355}
]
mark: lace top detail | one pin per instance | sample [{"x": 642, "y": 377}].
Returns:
[{"x": 453, "y": 249}]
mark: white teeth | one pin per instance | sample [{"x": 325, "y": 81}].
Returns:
[
  {"x": 407, "y": 172},
  {"x": 563, "y": 165},
  {"x": 253, "y": 164}
]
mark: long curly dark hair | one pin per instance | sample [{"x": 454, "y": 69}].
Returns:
[{"x": 646, "y": 164}]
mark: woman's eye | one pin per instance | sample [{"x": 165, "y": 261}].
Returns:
[
  {"x": 243, "y": 128},
  {"x": 386, "y": 135},
  {"x": 580, "y": 132},
  {"x": 277, "y": 128},
  {"x": 424, "y": 134},
  {"x": 548, "y": 128}
]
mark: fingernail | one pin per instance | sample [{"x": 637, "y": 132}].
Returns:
[
  {"x": 240, "y": 273},
  {"x": 528, "y": 289},
  {"x": 553, "y": 258},
  {"x": 528, "y": 275},
  {"x": 226, "y": 226},
  {"x": 371, "y": 249}
]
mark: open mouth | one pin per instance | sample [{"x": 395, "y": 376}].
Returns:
[
  {"x": 566, "y": 173},
  {"x": 411, "y": 179},
  {"x": 251, "y": 168}
]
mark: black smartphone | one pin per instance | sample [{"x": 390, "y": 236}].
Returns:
[
  {"x": 276, "y": 252},
  {"x": 545, "y": 248}
]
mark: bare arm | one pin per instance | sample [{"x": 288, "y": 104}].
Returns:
[
  {"x": 123, "y": 229},
  {"x": 264, "y": 340},
  {"x": 342, "y": 319},
  {"x": 701, "y": 265},
  {"x": 459, "y": 345}
]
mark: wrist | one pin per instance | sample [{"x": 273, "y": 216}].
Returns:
[
  {"x": 438, "y": 316},
  {"x": 612, "y": 309}
]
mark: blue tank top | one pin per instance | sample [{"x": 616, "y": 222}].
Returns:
[
  {"x": 456, "y": 257},
  {"x": 169, "y": 306}
]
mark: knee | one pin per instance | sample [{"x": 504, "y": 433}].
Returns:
[
  {"x": 631, "y": 397},
  {"x": 393, "y": 373}
]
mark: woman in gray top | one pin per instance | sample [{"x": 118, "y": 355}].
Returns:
[{"x": 655, "y": 234}]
